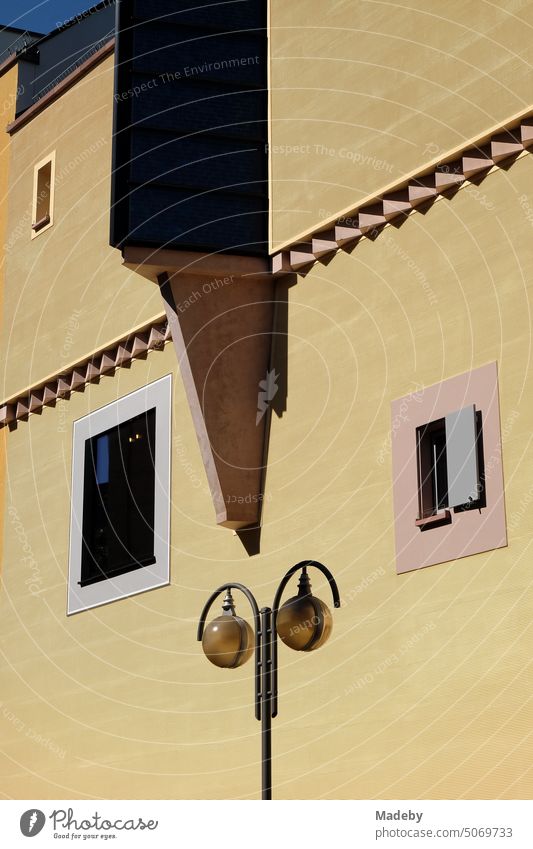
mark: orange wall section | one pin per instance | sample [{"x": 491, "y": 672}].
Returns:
[{"x": 8, "y": 99}]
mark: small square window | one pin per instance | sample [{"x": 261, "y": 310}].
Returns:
[
  {"x": 43, "y": 195},
  {"x": 447, "y": 473},
  {"x": 120, "y": 499},
  {"x": 450, "y": 465}
]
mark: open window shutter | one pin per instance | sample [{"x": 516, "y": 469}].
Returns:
[{"x": 461, "y": 457}]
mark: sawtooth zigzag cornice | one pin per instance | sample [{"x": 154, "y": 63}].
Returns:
[
  {"x": 369, "y": 218},
  {"x": 138, "y": 344}
]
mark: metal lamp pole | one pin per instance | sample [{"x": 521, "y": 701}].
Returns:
[{"x": 266, "y": 652}]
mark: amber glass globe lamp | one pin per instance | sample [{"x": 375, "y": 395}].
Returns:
[
  {"x": 228, "y": 641},
  {"x": 304, "y": 622}
]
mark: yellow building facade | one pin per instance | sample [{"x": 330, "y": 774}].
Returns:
[
  {"x": 8, "y": 97},
  {"x": 422, "y": 691}
]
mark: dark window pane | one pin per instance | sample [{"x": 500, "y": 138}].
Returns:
[
  {"x": 432, "y": 468},
  {"x": 119, "y": 500},
  {"x": 439, "y": 470}
]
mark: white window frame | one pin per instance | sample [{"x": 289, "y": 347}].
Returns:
[
  {"x": 159, "y": 395},
  {"x": 51, "y": 158}
]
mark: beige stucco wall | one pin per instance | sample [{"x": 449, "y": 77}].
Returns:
[
  {"x": 67, "y": 292},
  {"x": 8, "y": 99},
  {"x": 423, "y": 689},
  {"x": 365, "y": 92}
]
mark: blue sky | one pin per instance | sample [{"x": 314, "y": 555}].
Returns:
[{"x": 40, "y": 15}]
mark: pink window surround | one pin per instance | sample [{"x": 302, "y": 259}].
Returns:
[{"x": 463, "y": 532}]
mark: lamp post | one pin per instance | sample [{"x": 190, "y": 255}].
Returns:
[{"x": 303, "y": 623}]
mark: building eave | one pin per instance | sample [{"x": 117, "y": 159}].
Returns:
[
  {"x": 63, "y": 86},
  {"x": 152, "y": 262}
]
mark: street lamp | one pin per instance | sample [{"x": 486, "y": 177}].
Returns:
[{"x": 303, "y": 623}]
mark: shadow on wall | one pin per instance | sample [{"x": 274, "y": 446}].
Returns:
[{"x": 251, "y": 537}]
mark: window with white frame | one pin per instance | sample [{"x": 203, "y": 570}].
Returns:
[
  {"x": 43, "y": 195},
  {"x": 119, "y": 539}
]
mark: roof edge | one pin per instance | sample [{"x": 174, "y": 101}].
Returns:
[
  {"x": 71, "y": 22},
  {"x": 56, "y": 92}
]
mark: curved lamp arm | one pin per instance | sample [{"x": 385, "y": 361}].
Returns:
[
  {"x": 275, "y": 608},
  {"x": 302, "y": 565},
  {"x": 257, "y": 622}
]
